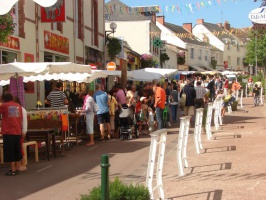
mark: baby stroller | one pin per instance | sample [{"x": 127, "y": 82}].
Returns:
[{"x": 127, "y": 124}]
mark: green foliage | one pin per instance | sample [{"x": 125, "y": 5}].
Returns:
[
  {"x": 213, "y": 63},
  {"x": 120, "y": 191},
  {"x": 6, "y": 26},
  {"x": 164, "y": 57},
  {"x": 113, "y": 47},
  {"x": 256, "y": 47}
]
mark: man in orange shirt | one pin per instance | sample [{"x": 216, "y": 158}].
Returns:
[{"x": 160, "y": 98}]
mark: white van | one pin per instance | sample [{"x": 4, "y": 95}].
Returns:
[{"x": 231, "y": 77}]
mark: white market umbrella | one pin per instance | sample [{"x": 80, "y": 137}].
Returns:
[{"x": 40, "y": 68}]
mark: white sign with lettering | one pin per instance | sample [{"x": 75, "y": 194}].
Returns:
[{"x": 258, "y": 15}]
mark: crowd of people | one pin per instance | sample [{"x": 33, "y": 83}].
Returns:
[{"x": 150, "y": 103}]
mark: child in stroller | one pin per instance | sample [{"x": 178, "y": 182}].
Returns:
[
  {"x": 127, "y": 125},
  {"x": 228, "y": 100}
]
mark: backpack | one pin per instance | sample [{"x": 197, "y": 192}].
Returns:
[{"x": 183, "y": 99}]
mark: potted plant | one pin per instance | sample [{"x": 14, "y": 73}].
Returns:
[
  {"x": 147, "y": 60},
  {"x": 6, "y": 26}
]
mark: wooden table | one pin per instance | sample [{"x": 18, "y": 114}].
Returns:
[{"x": 40, "y": 134}]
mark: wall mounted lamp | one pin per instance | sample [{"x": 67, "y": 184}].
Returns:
[{"x": 113, "y": 26}]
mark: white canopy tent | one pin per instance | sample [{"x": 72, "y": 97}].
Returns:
[
  {"x": 150, "y": 74},
  {"x": 229, "y": 73}
]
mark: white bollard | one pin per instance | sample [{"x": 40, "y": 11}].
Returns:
[
  {"x": 261, "y": 92},
  {"x": 246, "y": 90},
  {"x": 220, "y": 112},
  {"x": 161, "y": 134},
  {"x": 186, "y": 131},
  {"x": 208, "y": 121},
  {"x": 237, "y": 93},
  {"x": 216, "y": 115},
  {"x": 197, "y": 130},
  {"x": 241, "y": 98},
  {"x": 179, "y": 146}
]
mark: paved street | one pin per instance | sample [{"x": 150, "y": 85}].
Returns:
[{"x": 231, "y": 165}]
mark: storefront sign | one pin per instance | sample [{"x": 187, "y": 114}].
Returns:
[
  {"x": 12, "y": 43},
  {"x": 29, "y": 86},
  {"x": 258, "y": 15},
  {"x": 55, "y": 13},
  {"x": 56, "y": 42}
]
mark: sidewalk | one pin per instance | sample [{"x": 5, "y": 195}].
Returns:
[{"x": 231, "y": 166}]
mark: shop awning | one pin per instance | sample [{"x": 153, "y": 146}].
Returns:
[{"x": 199, "y": 69}]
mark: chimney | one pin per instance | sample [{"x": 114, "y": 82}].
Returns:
[
  {"x": 160, "y": 19},
  {"x": 220, "y": 24},
  {"x": 200, "y": 21},
  {"x": 188, "y": 27},
  {"x": 227, "y": 26}
]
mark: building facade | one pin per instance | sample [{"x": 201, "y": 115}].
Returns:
[{"x": 69, "y": 31}]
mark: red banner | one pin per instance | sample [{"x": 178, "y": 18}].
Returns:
[
  {"x": 55, "y": 13},
  {"x": 12, "y": 43},
  {"x": 56, "y": 42}
]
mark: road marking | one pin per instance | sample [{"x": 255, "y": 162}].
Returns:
[
  {"x": 45, "y": 168},
  {"x": 251, "y": 188},
  {"x": 92, "y": 148}
]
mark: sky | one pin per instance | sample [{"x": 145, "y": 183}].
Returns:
[{"x": 212, "y": 11}]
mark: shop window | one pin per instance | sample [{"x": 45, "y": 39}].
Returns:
[
  {"x": 54, "y": 58},
  {"x": 7, "y": 57}
]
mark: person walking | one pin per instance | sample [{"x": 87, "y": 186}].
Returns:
[
  {"x": 200, "y": 95},
  {"x": 159, "y": 104},
  {"x": 88, "y": 109},
  {"x": 174, "y": 103},
  {"x": 103, "y": 115},
  {"x": 12, "y": 119},
  {"x": 57, "y": 98},
  {"x": 190, "y": 92},
  {"x": 211, "y": 88}
]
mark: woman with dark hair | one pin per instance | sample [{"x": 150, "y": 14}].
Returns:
[{"x": 11, "y": 131}]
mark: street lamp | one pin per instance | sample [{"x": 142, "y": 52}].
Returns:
[{"x": 113, "y": 26}]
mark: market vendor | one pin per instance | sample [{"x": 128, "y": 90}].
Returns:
[{"x": 57, "y": 98}]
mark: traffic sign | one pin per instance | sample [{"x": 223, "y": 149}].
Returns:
[{"x": 111, "y": 66}]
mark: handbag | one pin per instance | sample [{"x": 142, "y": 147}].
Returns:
[
  {"x": 95, "y": 107},
  {"x": 183, "y": 99}
]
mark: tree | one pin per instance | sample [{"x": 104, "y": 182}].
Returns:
[{"x": 256, "y": 47}]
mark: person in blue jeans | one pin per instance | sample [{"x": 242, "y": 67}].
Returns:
[{"x": 174, "y": 103}]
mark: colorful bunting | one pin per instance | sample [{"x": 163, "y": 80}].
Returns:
[{"x": 190, "y": 7}]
